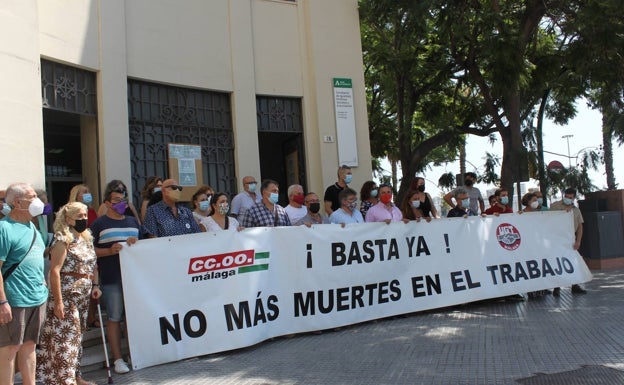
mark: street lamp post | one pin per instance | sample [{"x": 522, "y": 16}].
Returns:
[{"x": 567, "y": 137}]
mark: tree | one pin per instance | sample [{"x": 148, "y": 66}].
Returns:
[{"x": 408, "y": 86}]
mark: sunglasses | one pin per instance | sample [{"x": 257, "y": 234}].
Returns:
[{"x": 174, "y": 187}]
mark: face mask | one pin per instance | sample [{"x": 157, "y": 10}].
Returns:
[
  {"x": 274, "y": 197},
  {"x": 6, "y": 209},
  {"x": 120, "y": 207},
  {"x": 36, "y": 207},
  {"x": 204, "y": 205},
  {"x": 421, "y": 188},
  {"x": 374, "y": 192},
  {"x": 252, "y": 187},
  {"x": 157, "y": 189},
  {"x": 540, "y": 201},
  {"x": 174, "y": 195},
  {"x": 224, "y": 208},
  {"x": 386, "y": 198},
  {"x": 87, "y": 198},
  {"x": 504, "y": 200},
  {"x": 299, "y": 199},
  {"x": 352, "y": 206},
  {"x": 80, "y": 226},
  {"x": 47, "y": 209},
  {"x": 535, "y": 204},
  {"x": 315, "y": 207},
  {"x": 466, "y": 203},
  {"x": 567, "y": 201},
  {"x": 416, "y": 204},
  {"x": 468, "y": 182},
  {"x": 348, "y": 178}
]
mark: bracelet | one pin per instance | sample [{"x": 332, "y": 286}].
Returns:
[{"x": 3, "y": 302}]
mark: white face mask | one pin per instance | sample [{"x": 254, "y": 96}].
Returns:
[
  {"x": 36, "y": 207},
  {"x": 534, "y": 204},
  {"x": 416, "y": 204}
]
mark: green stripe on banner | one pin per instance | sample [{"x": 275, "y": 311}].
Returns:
[
  {"x": 249, "y": 269},
  {"x": 262, "y": 255}
]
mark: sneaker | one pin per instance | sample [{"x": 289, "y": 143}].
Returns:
[
  {"x": 577, "y": 289},
  {"x": 121, "y": 366},
  {"x": 556, "y": 291}
]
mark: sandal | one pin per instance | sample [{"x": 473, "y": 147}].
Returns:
[{"x": 82, "y": 381}]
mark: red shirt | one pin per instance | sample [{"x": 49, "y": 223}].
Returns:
[{"x": 497, "y": 209}]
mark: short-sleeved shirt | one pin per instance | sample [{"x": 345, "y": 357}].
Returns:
[
  {"x": 296, "y": 213},
  {"x": 456, "y": 212},
  {"x": 25, "y": 287},
  {"x": 160, "y": 221},
  {"x": 379, "y": 213},
  {"x": 259, "y": 215},
  {"x": 106, "y": 232},
  {"x": 578, "y": 217},
  {"x": 211, "y": 225},
  {"x": 313, "y": 220},
  {"x": 475, "y": 195},
  {"x": 242, "y": 202},
  {"x": 341, "y": 216},
  {"x": 331, "y": 195}
]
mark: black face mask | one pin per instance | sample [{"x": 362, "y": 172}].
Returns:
[
  {"x": 315, "y": 207},
  {"x": 81, "y": 225},
  {"x": 468, "y": 182},
  {"x": 421, "y": 188}
]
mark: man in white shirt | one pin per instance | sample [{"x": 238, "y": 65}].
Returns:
[{"x": 295, "y": 209}]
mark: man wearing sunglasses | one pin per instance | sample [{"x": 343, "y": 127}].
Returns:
[{"x": 169, "y": 217}]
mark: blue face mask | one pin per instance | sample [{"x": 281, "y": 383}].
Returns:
[
  {"x": 504, "y": 200},
  {"x": 466, "y": 203},
  {"x": 540, "y": 201},
  {"x": 87, "y": 198},
  {"x": 274, "y": 198},
  {"x": 568, "y": 201},
  {"x": 348, "y": 178},
  {"x": 204, "y": 205},
  {"x": 6, "y": 209},
  {"x": 374, "y": 192},
  {"x": 252, "y": 187}
]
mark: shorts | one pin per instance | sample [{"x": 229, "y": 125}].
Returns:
[
  {"x": 112, "y": 298},
  {"x": 26, "y": 325}
]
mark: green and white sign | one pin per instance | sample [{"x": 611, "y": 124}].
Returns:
[{"x": 345, "y": 122}]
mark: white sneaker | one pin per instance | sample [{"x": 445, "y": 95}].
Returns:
[{"x": 121, "y": 366}]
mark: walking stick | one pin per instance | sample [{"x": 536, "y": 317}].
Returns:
[{"x": 110, "y": 377}]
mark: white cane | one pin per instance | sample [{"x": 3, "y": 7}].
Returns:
[{"x": 110, "y": 377}]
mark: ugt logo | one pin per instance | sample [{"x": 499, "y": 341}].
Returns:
[{"x": 508, "y": 236}]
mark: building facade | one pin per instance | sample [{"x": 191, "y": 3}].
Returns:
[{"x": 96, "y": 90}]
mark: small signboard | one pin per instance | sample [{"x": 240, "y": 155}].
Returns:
[{"x": 185, "y": 166}]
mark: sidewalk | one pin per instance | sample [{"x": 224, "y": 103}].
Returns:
[{"x": 569, "y": 338}]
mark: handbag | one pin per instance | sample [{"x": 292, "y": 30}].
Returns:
[{"x": 14, "y": 266}]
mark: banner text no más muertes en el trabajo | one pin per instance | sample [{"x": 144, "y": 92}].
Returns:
[{"x": 203, "y": 293}]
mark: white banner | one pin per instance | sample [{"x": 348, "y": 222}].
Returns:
[{"x": 203, "y": 293}]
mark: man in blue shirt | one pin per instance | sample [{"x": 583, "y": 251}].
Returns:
[
  {"x": 109, "y": 232},
  {"x": 348, "y": 212},
  {"x": 23, "y": 292},
  {"x": 168, "y": 217}
]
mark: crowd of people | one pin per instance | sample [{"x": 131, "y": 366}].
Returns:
[{"x": 82, "y": 253}]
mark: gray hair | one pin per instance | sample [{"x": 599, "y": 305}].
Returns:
[
  {"x": 292, "y": 188},
  {"x": 16, "y": 191},
  {"x": 459, "y": 191}
]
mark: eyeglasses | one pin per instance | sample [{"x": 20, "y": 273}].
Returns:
[
  {"x": 173, "y": 187},
  {"x": 253, "y": 182},
  {"x": 118, "y": 201}
]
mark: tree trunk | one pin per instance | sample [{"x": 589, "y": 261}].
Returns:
[
  {"x": 541, "y": 166},
  {"x": 462, "y": 163},
  {"x": 607, "y": 134}
]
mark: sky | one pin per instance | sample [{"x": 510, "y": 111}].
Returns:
[{"x": 586, "y": 134}]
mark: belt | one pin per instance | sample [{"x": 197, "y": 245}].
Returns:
[{"x": 78, "y": 275}]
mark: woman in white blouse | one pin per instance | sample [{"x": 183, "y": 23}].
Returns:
[{"x": 218, "y": 219}]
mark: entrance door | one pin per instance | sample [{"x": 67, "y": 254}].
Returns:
[{"x": 280, "y": 141}]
